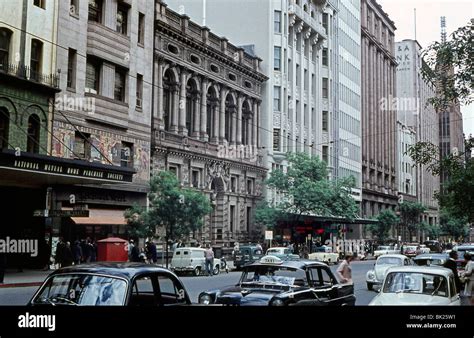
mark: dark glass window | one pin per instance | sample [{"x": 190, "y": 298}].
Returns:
[
  {"x": 5, "y": 36},
  {"x": 122, "y": 19},
  {"x": 33, "y": 142},
  {"x": 95, "y": 10},
  {"x": 119, "y": 90}
]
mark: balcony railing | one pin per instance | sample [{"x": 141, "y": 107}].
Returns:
[{"x": 26, "y": 73}]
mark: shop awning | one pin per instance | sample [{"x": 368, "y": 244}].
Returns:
[{"x": 102, "y": 217}]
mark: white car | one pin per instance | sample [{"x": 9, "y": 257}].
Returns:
[
  {"x": 192, "y": 260},
  {"x": 377, "y": 274},
  {"x": 418, "y": 285},
  {"x": 385, "y": 250},
  {"x": 423, "y": 249},
  {"x": 282, "y": 252},
  {"x": 324, "y": 254}
]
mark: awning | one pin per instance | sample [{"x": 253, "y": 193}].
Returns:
[{"x": 102, "y": 217}]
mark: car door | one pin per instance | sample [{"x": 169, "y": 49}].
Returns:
[
  {"x": 171, "y": 291},
  {"x": 328, "y": 290},
  {"x": 454, "y": 297},
  {"x": 144, "y": 291}
]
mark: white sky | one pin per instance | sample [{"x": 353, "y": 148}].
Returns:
[{"x": 428, "y": 13}]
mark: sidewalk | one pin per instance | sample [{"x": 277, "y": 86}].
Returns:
[{"x": 14, "y": 279}]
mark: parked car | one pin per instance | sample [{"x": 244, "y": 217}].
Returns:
[
  {"x": 431, "y": 259},
  {"x": 410, "y": 250},
  {"x": 324, "y": 254},
  {"x": 282, "y": 252},
  {"x": 272, "y": 281},
  {"x": 247, "y": 254},
  {"x": 418, "y": 285},
  {"x": 192, "y": 260},
  {"x": 461, "y": 250},
  {"x": 108, "y": 284},
  {"x": 385, "y": 250},
  {"x": 377, "y": 274},
  {"x": 433, "y": 245},
  {"x": 423, "y": 249}
]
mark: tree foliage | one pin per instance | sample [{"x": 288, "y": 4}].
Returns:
[
  {"x": 452, "y": 225},
  {"x": 306, "y": 190},
  {"x": 410, "y": 213},
  {"x": 386, "y": 219}
]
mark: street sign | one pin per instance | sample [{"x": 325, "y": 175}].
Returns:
[
  {"x": 269, "y": 235},
  {"x": 61, "y": 213}
]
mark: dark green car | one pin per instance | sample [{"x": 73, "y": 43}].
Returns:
[{"x": 247, "y": 254}]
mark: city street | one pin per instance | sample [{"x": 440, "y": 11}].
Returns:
[{"x": 194, "y": 285}]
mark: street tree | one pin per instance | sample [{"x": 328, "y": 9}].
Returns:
[
  {"x": 386, "y": 220},
  {"x": 455, "y": 227},
  {"x": 177, "y": 210},
  {"x": 410, "y": 214},
  {"x": 305, "y": 189}
]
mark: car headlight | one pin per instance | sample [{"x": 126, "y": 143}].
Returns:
[
  {"x": 277, "y": 302},
  {"x": 205, "y": 299},
  {"x": 370, "y": 275}
]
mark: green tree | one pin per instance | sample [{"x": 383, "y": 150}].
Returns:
[
  {"x": 179, "y": 211},
  {"x": 431, "y": 230},
  {"x": 410, "y": 213},
  {"x": 386, "y": 219},
  {"x": 306, "y": 190},
  {"x": 456, "y": 227}
]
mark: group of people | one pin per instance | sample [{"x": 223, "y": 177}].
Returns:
[
  {"x": 467, "y": 275},
  {"x": 149, "y": 254},
  {"x": 82, "y": 251}
]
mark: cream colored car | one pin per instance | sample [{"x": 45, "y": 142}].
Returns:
[{"x": 324, "y": 254}]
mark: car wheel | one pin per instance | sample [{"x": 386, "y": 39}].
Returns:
[
  {"x": 370, "y": 286},
  {"x": 197, "y": 271},
  {"x": 216, "y": 270}
]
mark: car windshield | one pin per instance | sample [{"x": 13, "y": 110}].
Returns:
[
  {"x": 82, "y": 289},
  {"x": 389, "y": 261},
  {"x": 429, "y": 261},
  {"x": 276, "y": 275},
  {"x": 418, "y": 283}
]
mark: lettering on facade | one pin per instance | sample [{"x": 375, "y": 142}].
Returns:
[
  {"x": 26, "y": 165},
  {"x": 117, "y": 177},
  {"x": 93, "y": 173},
  {"x": 53, "y": 168},
  {"x": 73, "y": 171}
]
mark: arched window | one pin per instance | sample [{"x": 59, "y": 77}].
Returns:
[
  {"x": 211, "y": 111},
  {"x": 305, "y": 7},
  {"x": 33, "y": 141},
  {"x": 191, "y": 97},
  {"x": 5, "y": 36},
  {"x": 229, "y": 109},
  {"x": 169, "y": 84},
  {"x": 4, "y": 126}
]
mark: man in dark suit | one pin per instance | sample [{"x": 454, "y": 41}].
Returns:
[{"x": 451, "y": 264}]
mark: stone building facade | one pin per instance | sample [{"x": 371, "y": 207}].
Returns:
[{"x": 206, "y": 123}]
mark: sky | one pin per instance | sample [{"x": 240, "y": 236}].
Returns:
[{"x": 428, "y": 13}]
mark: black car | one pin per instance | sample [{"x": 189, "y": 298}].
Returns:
[
  {"x": 122, "y": 284},
  {"x": 272, "y": 281},
  {"x": 247, "y": 254}
]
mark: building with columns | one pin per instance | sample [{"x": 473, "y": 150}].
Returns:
[
  {"x": 206, "y": 123},
  {"x": 379, "y": 120}
]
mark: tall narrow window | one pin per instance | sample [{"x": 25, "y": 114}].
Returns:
[
  {"x": 71, "y": 69},
  {"x": 95, "y": 10},
  {"x": 73, "y": 7},
  {"x": 5, "y": 36},
  {"x": 4, "y": 126},
  {"x": 326, "y": 22},
  {"x": 39, "y": 3},
  {"x": 276, "y": 139},
  {"x": 277, "y": 22},
  {"x": 276, "y": 99},
  {"x": 141, "y": 28},
  {"x": 139, "y": 90},
  {"x": 325, "y": 59},
  {"x": 82, "y": 146},
  {"x": 325, "y": 88},
  {"x": 325, "y": 120},
  {"x": 122, "y": 19},
  {"x": 35, "y": 58},
  {"x": 33, "y": 142},
  {"x": 249, "y": 218},
  {"x": 119, "y": 89},
  {"x": 231, "y": 218},
  {"x": 126, "y": 155},
  {"x": 168, "y": 92},
  {"x": 326, "y": 154},
  {"x": 92, "y": 75},
  {"x": 277, "y": 58}
]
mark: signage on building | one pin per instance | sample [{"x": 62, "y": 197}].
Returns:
[
  {"x": 61, "y": 213},
  {"x": 269, "y": 235}
]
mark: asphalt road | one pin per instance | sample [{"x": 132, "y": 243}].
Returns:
[{"x": 194, "y": 285}]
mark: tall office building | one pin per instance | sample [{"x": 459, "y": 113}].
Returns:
[{"x": 379, "y": 124}]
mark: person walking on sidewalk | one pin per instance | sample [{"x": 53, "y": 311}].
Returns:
[
  {"x": 344, "y": 271},
  {"x": 209, "y": 255},
  {"x": 469, "y": 278}
]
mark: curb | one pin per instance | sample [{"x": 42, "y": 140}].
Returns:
[{"x": 20, "y": 285}]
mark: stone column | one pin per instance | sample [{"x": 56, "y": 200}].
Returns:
[
  {"x": 197, "y": 115},
  {"x": 221, "y": 122},
  {"x": 175, "y": 109},
  {"x": 159, "y": 110},
  {"x": 240, "y": 102},
  {"x": 204, "y": 136},
  {"x": 233, "y": 134},
  {"x": 182, "y": 103},
  {"x": 255, "y": 120}
]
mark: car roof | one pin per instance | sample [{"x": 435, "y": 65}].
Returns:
[
  {"x": 299, "y": 264},
  {"x": 431, "y": 255},
  {"x": 124, "y": 270},
  {"x": 393, "y": 256},
  {"x": 278, "y": 247},
  {"x": 191, "y": 248},
  {"x": 437, "y": 270}
]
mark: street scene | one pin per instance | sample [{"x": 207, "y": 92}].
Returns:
[{"x": 236, "y": 153}]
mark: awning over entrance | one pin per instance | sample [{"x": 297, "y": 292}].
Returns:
[
  {"x": 33, "y": 170},
  {"x": 102, "y": 217},
  {"x": 334, "y": 220}
]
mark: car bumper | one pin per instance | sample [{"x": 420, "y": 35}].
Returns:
[{"x": 183, "y": 268}]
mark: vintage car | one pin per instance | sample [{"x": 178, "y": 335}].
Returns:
[
  {"x": 324, "y": 254},
  {"x": 430, "y": 259},
  {"x": 418, "y": 285},
  {"x": 377, "y": 274},
  {"x": 282, "y": 252},
  {"x": 275, "y": 282},
  {"x": 461, "y": 250},
  {"x": 385, "y": 250},
  {"x": 433, "y": 245},
  {"x": 247, "y": 254},
  {"x": 192, "y": 260},
  {"x": 107, "y": 284},
  {"x": 411, "y": 250}
]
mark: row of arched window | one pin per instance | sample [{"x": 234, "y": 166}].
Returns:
[{"x": 32, "y": 133}]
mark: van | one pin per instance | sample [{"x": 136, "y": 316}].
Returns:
[
  {"x": 192, "y": 260},
  {"x": 247, "y": 254}
]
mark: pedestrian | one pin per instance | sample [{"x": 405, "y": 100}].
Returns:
[
  {"x": 77, "y": 252},
  {"x": 451, "y": 264},
  {"x": 59, "y": 256},
  {"x": 154, "y": 253},
  {"x": 209, "y": 255},
  {"x": 135, "y": 254},
  {"x": 130, "y": 249},
  {"x": 68, "y": 257},
  {"x": 93, "y": 250},
  {"x": 3, "y": 264},
  {"x": 344, "y": 271},
  {"x": 468, "y": 277},
  {"x": 259, "y": 247}
]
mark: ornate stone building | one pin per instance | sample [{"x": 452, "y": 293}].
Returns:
[{"x": 206, "y": 120}]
